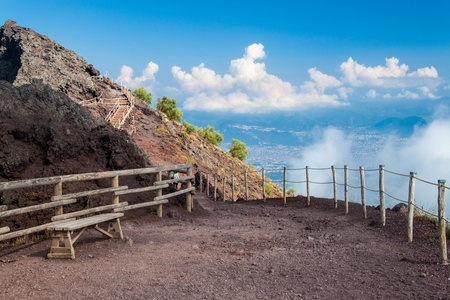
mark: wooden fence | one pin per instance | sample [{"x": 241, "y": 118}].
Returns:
[
  {"x": 59, "y": 200},
  {"x": 412, "y": 206}
]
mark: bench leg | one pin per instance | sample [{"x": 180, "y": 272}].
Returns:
[
  {"x": 115, "y": 229},
  {"x": 62, "y": 246}
]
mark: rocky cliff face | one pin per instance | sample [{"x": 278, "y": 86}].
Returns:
[{"x": 26, "y": 56}]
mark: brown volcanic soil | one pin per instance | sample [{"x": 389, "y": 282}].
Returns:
[{"x": 242, "y": 250}]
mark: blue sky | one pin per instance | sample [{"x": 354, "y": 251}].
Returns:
[{"x": 253, "y": 56}]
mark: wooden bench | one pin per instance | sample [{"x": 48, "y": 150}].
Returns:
[{"x": 69, "y": 229}]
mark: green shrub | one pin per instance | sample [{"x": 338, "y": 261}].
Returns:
[
  {"x": 189, "y": 127},
  {"x": 142, "y": 93},
  {"x": 211, "y": 135},
  {"x": 268, "y": 188},
  {"x": 291, "y": 192},
  {"x": 239, "y": 150},
  {"x": 169, "y": 107}
]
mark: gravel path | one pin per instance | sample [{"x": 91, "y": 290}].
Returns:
[{"x": 243, "y": 250}]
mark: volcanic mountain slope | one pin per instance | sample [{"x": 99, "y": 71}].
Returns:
[{"x": 26, "y": 56}]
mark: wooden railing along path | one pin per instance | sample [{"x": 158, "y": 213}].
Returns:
[{"x": 59, "y": 200}]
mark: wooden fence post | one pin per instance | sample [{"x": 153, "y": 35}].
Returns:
[
  {"x": 189, "y": 195},
  {"x": 442, "y": 227},
  {"x": 232, "y": 188},
  {"x": 115, "y": 183},
  {"x": 159, "y": 193},
  {"x": 382, "y": 201},
  {"x": 207, "y": 185},
  {"x": 308, "y": 199},
  {"x": 411, "y": 192},
  {"x": 215, "y": 188},
  {"x": 246, "y": 185},
  {"x": 346, "y": 188},
  {"x": 333, "y": 171},
  {"x": 412, "y": 176},
  {"x": 263, "y": 185},
  {"x": 224, "y": 187},
  {"x": 363, "y": 191},
  {"x": 284, "y": 185},
  {"x": 201, "y": 181},
  {"x": 57, "y": 191}
]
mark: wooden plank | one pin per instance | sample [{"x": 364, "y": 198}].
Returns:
[
  {"x": 89, "y": 193},
  {"x": 32, "y": 208},
  {"x": 181, "y": 179},
  {"x": 175, "y": 194},
  {"x": 140, "y": 205},
  {"x": 4, "y": 230},
  {"x": 88, "y": 211},
  {"x": 140, "y": 190},
  {"x": 3, "y": 207},
  {"x": 11, "y": 185},
  {"x": 31, "y": 230},
  {"x": 85, "y": 222}
]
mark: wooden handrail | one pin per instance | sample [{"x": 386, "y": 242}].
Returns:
[{"x": 4, "y": 186}]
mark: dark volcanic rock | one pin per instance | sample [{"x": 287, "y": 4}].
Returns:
[
  {"x": 44, "y": 133},
  {"x": 25, "y": 54}
]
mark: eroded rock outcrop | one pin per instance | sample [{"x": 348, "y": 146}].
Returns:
[{"x": 25, "y": 54}]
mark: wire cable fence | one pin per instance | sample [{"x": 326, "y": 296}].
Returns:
[{"x": 304, "y": 176}]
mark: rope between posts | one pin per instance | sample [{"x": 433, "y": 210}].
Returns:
[
  {"x": 288, "y": 181},
  {"x": 435, "y": 184},
  {"x": 319, "y": 169},
  {"x": 423, "y": 210},
  {"x": 395, "y": 198},
  {"x": 356, "y": 170},
  {"x": 301, "y": 169},
  {"x": 371, "y": 170},
  {"x": 315, "y": 182},
  {"x": 399, "y": 174},
  {"x": 375, "y": 191},
  {"x": 354, "y": 187}
]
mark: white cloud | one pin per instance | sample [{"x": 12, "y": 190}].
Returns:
[
  {"x": 344, "y": 92},
  {"x": 148, "y": 75},
  {"x": 371, "y": 93},
  {"x": 249, "y": 88},
  {"x": 392, "y": 75}
]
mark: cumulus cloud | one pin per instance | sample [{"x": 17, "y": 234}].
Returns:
[
  {"x": 249, "y": 88},
  {"x": 148, "y": 75},
  {"x": 371, "y": 93},
  {"x": 391, "y": 75}
]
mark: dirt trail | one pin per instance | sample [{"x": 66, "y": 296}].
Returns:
[{"x": 243, "y": 250}]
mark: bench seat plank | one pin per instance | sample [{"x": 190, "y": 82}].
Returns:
[{"x": 85, "y": 222}]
